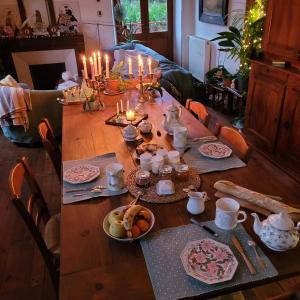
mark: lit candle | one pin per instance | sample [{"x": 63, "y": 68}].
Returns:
[
  {"x": 127, "y": 105},
  {"x": 129, "y": 66},
  {"x": 99, "y": 63},
  {"x": 92, "y": 68},
  {"x": 84, "y": 67},
  {"x": 106, "y": 66},
  {"x": 121, "y": 105},
  {"x": 140, "y": 65},
  {"x": 149, "y": 65},
  {"x": 95, "y": 64},
  {"x": 118, "y": 108},
  {"x": 130, "y": 115}
]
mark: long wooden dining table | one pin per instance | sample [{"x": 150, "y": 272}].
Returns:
[{"x": 94, "y": 266}]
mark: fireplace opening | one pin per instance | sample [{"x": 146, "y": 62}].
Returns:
[{"x": 46, "y": 76}]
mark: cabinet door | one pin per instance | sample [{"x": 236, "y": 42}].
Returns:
[
  {"x": 282, "y": 29},
  {"x": 264, "y": 103},
  {"x": 289, "y": 136}
]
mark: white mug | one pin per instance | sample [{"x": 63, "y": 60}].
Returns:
[
  {"x": 227, "y": 213},
  {"x": 180, "y": 137}
]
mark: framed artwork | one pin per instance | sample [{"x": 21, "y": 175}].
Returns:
[{"x": 213, "y": 11}]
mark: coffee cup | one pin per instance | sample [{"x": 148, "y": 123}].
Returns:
[{"x": 227, "y": 213}]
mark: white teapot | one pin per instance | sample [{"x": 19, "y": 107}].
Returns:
[
  {"x": 277, "y": 231},
  {"x": 172, "y": 118}
]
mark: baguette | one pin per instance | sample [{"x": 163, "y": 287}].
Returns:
[
  {"x": 258, "y": 199},
  {"x": 245, "y": 204}
]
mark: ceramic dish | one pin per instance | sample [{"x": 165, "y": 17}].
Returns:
[
  {"x": 209, "y": 261},
  {"x": 81, "y": 174},
  {"x": 215, "y": 150},
  {"x": 122, "y": 208}
]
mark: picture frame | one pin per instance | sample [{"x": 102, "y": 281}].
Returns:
[{"x": 213, "y": 11}]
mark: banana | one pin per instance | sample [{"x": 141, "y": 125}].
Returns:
[{"x": 129, "y": 215}]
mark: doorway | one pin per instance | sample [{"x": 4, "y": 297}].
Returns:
[{"x": 153, "y": 23}]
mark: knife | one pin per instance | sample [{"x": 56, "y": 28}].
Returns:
[{"x": 240, "y": 249}]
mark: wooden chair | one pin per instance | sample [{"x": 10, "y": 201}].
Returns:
[
  {"x": 235, "y": 140},
  {"x": 199, "y": 110},
  {"x": 50, "y": 144},
  {"x": 36, "y": 216}
]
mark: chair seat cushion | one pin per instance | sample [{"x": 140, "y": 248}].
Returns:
[{"x": 52, "y": 234}]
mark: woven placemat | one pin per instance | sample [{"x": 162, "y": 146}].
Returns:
[
  {"x": 150, "y": 195},
  {"x": 169, "y": 280}
]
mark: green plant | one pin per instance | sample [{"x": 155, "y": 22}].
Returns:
[
  {"x": 244, "y": 38},
  {"x": 150, "y": 87}
]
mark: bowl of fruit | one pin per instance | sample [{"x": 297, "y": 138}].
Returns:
[{"x": 128, "y": 223}]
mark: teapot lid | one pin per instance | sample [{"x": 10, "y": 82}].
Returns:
[{"x": 281, "y": 221}]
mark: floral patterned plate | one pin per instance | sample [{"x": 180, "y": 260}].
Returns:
[
  {"x": 81, "y": 174},
  {"x": 215, "y": 150},
  {"x": 209, "y": 261}
]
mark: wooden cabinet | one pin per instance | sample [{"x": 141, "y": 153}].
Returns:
[
  {"x": 288, "y": 147},
  {"x": 264, "y": 102},
  {"x": 273, "y": 112},
  {"x": 281, "y": 34}
]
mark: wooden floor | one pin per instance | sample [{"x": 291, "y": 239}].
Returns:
[{"x": 22, "y": 272}]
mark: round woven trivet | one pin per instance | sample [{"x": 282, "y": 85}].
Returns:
[{"x": 150, "y": 195}]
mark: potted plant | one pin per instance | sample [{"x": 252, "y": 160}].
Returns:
[
  {"x": 243, "y": 40},
  {"x": 115, "y": 82},
  {"x": 151, "y": 89}
]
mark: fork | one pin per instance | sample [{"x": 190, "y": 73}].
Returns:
[{"x": 96, "y": 187}]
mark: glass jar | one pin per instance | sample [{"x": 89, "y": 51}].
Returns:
[
  {"x": 165, "y": 172},
  {"x": 182, "y": 172},
  {"x": 145, "y": 161},
  {"x": 142, "y": 178}
]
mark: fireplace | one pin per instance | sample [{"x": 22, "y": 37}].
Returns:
[
  {"x": 46, "y": 76},
  {"x": 19, "y": 55}
]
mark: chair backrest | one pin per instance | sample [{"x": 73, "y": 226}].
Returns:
[
  {"x": 199, "y": 110},
  {"x": 33, "y": 210},
  {"x": 235, "y": 139},
  {"x": 50, "y": 144}
]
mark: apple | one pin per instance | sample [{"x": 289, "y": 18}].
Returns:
[
  {"x": 117, "y": 229},
  {"x": 115, "y": 216}
]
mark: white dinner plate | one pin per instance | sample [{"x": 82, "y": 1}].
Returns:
[
  {"x": 215, "y": 150},
  {"x": 81, "y": 174}
]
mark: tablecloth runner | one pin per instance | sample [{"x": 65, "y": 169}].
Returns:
[
  {"x": 205, "y": 165},
  {"x": 162, "y": 251},
  {"x": 100, "y": 161}
]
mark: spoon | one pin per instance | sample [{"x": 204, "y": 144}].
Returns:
[
  {"x": 260, "y": 261},
  {"x": 96, "y": 187},
  {"x": 96, "y": 191}
]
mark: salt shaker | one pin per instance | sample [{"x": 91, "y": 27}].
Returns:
[
  {"x": 157, "y": 161},
  {"x": 145, "y": 161}
]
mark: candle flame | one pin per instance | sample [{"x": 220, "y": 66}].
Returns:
[{"x": 91, "y": 60}]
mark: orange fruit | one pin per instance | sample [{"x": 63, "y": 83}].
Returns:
[
  {"x": 135, "y": 231},
  {"x": 145, "y": 214},
  {"x": 143, "y": 225}
]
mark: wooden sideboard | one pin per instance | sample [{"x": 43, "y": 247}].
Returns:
[
  {"x": 281, "y": 38},
  {"x": 273, "y": 101},
  {"x": 273, "y": 110}
]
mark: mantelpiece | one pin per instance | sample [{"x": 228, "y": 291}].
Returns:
[{"x": 7, "y": 47}]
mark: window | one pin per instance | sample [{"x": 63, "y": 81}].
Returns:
[
  {"x": 158, "y": 15},
  {"x": 132, "y": 14}
]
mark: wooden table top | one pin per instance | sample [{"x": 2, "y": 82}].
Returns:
[{"x": 94, "y": 266}]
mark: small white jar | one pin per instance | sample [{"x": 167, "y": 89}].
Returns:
[
  {"x": 145, "y": 161},
  {"x": 164, "y": 154},
  {"x": 157, "y": 161},
  {"x": 173, "y": 157}
]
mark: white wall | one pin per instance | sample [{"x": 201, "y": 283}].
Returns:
[
  {"x": 186, "y": 22},
  {"x": 208, "y": 31},
  {"x": 88, "y": 11}
]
